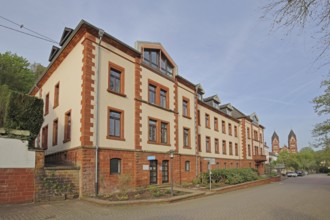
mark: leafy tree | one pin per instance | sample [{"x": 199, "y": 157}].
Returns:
[
  {"x": 16, "y": 72},
  {"x": 322, "y": 107},
  {"x": 291, "y": 14},
  {"x": 307, "y": 159}
]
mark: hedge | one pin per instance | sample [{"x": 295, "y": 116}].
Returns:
[
  {"x": 21, "y": 112},
  {"x": 231, "y": 176}
]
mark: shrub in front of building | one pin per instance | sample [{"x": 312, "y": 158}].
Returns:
[{"x": 230, "y": 176}]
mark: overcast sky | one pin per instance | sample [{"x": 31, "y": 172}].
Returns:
[{"x": 222, "y": 44}]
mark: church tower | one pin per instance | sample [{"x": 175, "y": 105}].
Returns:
[
  {"x": 292, "y": 142},
  {"x": 275, "y": 143}
]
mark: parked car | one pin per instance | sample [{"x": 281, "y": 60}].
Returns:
[
  {"x": 300, "y": 173},
  {"x": 291, "y": 174}
]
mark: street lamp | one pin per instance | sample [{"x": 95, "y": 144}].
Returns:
[{"x": 171, "y": 156}]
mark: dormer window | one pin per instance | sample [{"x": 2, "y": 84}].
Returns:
[
  {"x": 228, "y": 112},
  {"x": 200, "y": 96},
  {"x": 157, "y": 60},
  {"x": 215, "y": 105}
]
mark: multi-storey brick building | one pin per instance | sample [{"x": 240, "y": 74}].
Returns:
[{"x": 126, "y": 109}]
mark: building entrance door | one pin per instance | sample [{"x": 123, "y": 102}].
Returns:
[{"x": 153, "y": 171}]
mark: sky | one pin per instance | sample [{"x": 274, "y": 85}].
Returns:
[{"x": 225, "y": 45}]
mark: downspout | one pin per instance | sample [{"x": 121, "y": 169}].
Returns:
[
  {"x": 97, "y": 95},
  {"x": 196, "y": 132}
]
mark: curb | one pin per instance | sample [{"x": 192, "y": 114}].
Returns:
[{"x": 194, "y": 194}]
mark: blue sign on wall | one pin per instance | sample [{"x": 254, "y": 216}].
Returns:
[{"x": 151, "y": 157}]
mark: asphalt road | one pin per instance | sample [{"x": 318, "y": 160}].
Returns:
[{"x": 305, "y": 197}]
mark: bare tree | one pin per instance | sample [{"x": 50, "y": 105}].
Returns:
[{"x": 292, "y": 14}]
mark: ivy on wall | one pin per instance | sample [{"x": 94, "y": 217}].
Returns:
[{"x": 21, "y": 112}]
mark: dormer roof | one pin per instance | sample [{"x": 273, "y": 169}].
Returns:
[
  {"x": 200, "y": 89},
  {"x": 65, "y": 35},
  {"x": 214, "y": 98}
]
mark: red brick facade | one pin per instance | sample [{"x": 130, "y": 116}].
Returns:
[{"x": 17, "y": 185}]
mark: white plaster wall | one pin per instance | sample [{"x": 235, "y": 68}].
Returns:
[
  {"x": 127, "y": 104},
  {"x": 15, "y": 154},
  {"x": 212, "y": 133},
  {"x": 186, "y": 122},
  {"x": 155, "y": 112},
  {"x": 68, "y": 74}
]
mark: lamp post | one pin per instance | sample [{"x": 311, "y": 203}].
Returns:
[{"x": 171, "y": 156}]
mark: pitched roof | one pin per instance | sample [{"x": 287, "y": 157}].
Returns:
[
  {"x": 212, "y": 98},
  {"x": 275, "y": 136},
  {"x": 291, "y": 134}
]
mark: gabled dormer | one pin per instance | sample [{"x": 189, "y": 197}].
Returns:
[
  {"x": 155, "y": 57},
  {"x": 53, "y": 53},
  {"x": 254, "y": 118},
  {"x": 200, "y": 92},
  {"x": 227, "y": 109},
  {"x": 65, "y": 35},
  {"x": 213, "y": 101}
]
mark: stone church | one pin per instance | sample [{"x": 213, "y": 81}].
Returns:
[{"x": 292, "y": 143}]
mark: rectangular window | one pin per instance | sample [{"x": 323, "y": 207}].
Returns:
[
  {"x": 158, "y": 94},
  {"x": 229, "y": 129},
  {"x": 216, "y": 145},
  {"x": 163, "y": 98},
  {"x": 116, "y": 79},
  {"x": 208, "y": 144},
  {"x": 248, "y": 133},
  {"x": 158, "y": 131},
  {"x": 207, "y": 121},
  {"x": 236, "y": 149},
  {"x": 230, "y": 148},
  {"x": 152, "y": 130},
  {"x": 55, "y": 132},
  {"x": 115, "y": 166},
  {"x": 115, "y": 123},
  {"x": 255, "y": 135},
  {"x": 249, "y": 150},
  {"x": 235, "y": 131},
  {"x": 44, "y": 140},
  {"x": 187, "y": 166},
  {"x": 223, "y": 123},
  {"x": 152, "y": 94},
  {"x": 47, "y": 104},
  {"x": 199, "y": 117},
  {"x": 186, "y": 137},
  {"x": 56, "y": 94},
  {"x": 67, "y": 126},
  {"x": 255, "y": 150},
  {"x": 185, "y": 107},
  {"x": 199, "y": 143},
  {"x": 224, "y": 147},
  {"x": 165, "y": 171},
  {"x": 163, "y": 133},
  {"x": 216, "y": 126},
  {"x": 260, "y": 137}
]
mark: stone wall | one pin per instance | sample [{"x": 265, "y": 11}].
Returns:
[{"x": 55, "y": 183}]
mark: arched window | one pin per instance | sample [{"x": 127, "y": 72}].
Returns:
[{"x": 115, "y": 166}]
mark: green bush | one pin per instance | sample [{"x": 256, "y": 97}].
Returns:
[
  {"x": 230, "y": 176},
  {"x": 328, "y": 174},
  {"x": 21, "y": 112}
]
